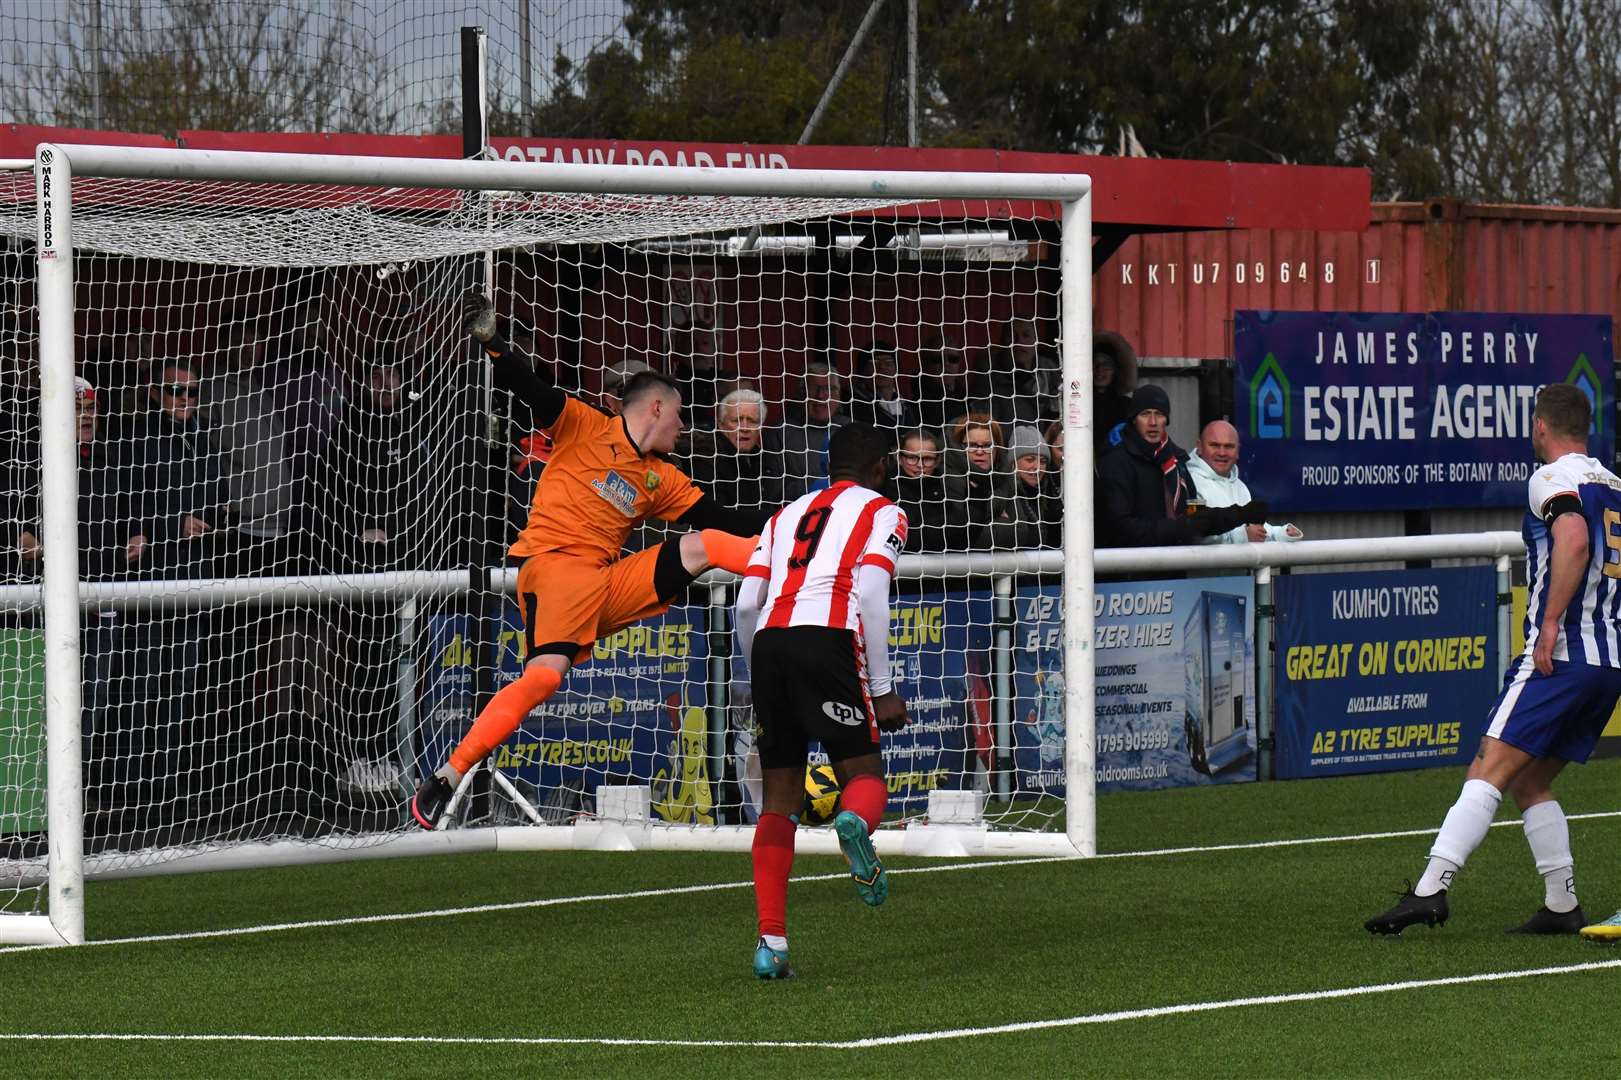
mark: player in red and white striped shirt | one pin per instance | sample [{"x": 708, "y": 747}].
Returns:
[{"x": 817, "y": 589}]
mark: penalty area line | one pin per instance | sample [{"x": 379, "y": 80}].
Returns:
[
  {"x": 991, "y": 863},
  {"x": 1114, "y": 1017}
]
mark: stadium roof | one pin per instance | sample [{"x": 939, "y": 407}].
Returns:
[{"x": 1130, "y": 195}]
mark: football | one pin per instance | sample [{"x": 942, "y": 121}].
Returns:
[{"x": 821, "y": 795}]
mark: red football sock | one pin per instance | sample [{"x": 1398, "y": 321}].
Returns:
[
  {"x": 726, "y": 551},
  {"x": 773, "y": 862},
  {"x": 865, "y": 796},
  {"x": 503, "y": 714}
]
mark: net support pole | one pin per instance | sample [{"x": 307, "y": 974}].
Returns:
[
  {"x": 1505, "y": 616},
  {"x": 1080, "y": 718},
  {"x": 405, "y": 682},
  {"x": 59, "y": 520},
  {"x": 1002, "y": 704},
  {"x": 1264, "y": 627},
  {"x": 719, "y": 710}
]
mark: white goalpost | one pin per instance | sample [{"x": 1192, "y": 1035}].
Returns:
[{"x": 267, "y": 488}]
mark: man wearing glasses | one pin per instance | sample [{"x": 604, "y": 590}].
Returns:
[{"x": 173, "y": 474}]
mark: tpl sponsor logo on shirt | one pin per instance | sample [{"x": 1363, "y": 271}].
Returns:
[{"x": 618, "y": 491}]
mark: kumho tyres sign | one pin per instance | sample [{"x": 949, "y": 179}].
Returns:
[
  {"x": 1370, "y": 411},
  {"x": 1384, "y": 670}
]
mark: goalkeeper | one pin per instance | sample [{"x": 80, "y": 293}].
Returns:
[{"x": 606, "y": 475}]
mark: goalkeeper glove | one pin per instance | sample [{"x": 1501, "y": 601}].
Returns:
[{"x": 478, "y": 315}]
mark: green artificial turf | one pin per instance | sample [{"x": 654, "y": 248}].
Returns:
[{"x": 953, "y": 949}]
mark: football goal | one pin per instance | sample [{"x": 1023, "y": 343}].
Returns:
[{"x": 261, "y": 485}]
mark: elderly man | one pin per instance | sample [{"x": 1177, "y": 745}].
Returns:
[
  {"x": 1214, "y": 468},
  {"x": 739, "y": 463}
]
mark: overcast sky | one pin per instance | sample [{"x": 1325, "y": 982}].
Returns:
[{"x": 421, "y": 38}]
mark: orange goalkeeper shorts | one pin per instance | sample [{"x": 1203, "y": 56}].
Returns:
[{"x": 564, "y": 598}]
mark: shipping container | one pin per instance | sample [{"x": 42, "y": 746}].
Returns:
[{"x": 1173, "y": 294}]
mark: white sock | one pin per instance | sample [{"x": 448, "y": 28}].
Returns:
[
  {"x": 1549, "y": 836},
  {"x": 1461, "y": 833},
  {"x": 775, "y": 941}
]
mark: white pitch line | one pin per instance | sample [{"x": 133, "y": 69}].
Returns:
[
  {"x": 721, "y": 886},
  {"x": 1114, "y": 1017},
  {"x": 1256, "y": 845}
]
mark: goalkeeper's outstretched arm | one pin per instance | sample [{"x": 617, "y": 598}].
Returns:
[
  {"x": 706, "y": 513},
  {"x": 514, "y": 369}
]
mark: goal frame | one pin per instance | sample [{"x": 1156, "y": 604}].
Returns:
[{"x": 56, "y": 166}]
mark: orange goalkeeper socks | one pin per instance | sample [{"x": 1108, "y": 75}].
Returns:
[
  {"x": 726, "y": 551},
  {"x": 503, "y": 714},
  {"x": 773, "y": 862}
]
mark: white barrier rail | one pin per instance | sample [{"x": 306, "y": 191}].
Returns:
[{"x": 190, "y": 593}]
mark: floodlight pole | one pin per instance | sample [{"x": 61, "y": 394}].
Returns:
[
  {"x": 526, "y": 74},
  {"x": 911, "y": 72}
]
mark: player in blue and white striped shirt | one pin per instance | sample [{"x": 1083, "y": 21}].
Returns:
[{"x": 1560, "y": 692}]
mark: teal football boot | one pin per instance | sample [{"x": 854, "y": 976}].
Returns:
[
  {"x": 771, "y": 963},
  {"x": 872, "y": 884}
]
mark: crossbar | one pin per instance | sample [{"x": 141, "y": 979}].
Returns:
[{"x": 161, "y": 163}]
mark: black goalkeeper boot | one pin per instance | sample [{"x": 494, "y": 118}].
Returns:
[
  {"x": 1553, "y": 922},
  {"x": 430, "y": 800},
  {"x": 1411, "y": 908}
]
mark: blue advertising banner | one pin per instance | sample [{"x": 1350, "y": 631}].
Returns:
[
  {"x": 1383, "y": 670},
  {"x": 1175, "y": 699},
  {"x": 638, "y": 709},
  {"x": 1368, "y": 411},
  {"x": 940, "y": 658},
  {"x": 1175, "y": 678}
]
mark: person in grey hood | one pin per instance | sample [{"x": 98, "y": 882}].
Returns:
[{"x": 1214, "y": 468}]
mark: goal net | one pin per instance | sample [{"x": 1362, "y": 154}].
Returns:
[{"x": 296, "y": 486}]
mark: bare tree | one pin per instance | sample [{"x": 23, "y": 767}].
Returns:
[
  {"x": 172, "y": 65},
  {"x": 1529, "y": 106},
  {"x": 1594, "y": 78}
]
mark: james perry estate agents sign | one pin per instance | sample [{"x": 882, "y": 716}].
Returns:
[{"x": 1370, "y": 411}]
